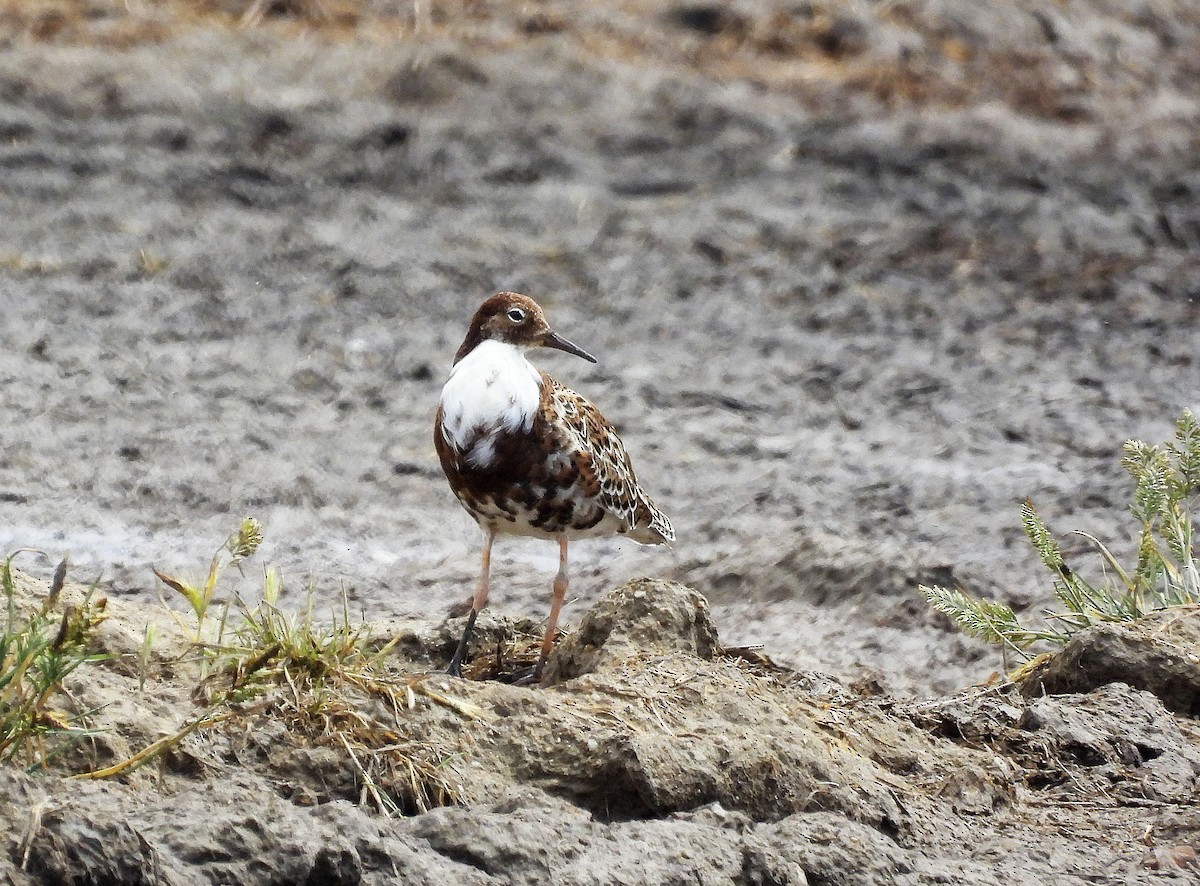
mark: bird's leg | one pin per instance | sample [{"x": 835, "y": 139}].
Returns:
[
  {"x": 477, "y": 603},
  {"x": 556, "y": 602}
]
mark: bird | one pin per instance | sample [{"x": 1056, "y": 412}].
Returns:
[{"x": 527, "y": 456}]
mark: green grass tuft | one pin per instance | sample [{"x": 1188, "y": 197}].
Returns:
[
  {"x": 327, "y": 681},
  {"x": 38, "y": 651},
  {"x": 1167, "y": 479}
]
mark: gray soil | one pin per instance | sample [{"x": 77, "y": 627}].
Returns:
[
  {"x": 861, "y": 278},
  {"x": 646, "y": 756}
]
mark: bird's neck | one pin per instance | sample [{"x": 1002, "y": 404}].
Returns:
[{"x": 475, "y": 338}]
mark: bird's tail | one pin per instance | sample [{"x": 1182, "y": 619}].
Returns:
[{"x": 657, "y": 530}]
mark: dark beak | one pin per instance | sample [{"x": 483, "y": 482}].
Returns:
[{"x": 556, "y": 341}]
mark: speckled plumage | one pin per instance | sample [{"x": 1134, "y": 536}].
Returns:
[
  {"x": 610, "y": 485},
  {"x": 553, "y": 469},
  {"x": 567, "y": 473}
]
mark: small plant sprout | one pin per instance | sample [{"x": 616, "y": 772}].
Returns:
[
  {"x": 1167, "y": 479},
  {"x": 144, "y": 652},
  {"x": 272, "y": 585},
  {"x": 241, "y": 545}
]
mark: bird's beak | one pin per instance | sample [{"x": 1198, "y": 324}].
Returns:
[{"x": 556, "y": 341}]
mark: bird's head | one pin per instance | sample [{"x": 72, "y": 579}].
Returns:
[{"x": 516, "y": 320}]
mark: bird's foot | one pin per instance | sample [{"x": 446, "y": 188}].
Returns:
[
  {"x": 460, "y": 653},
  {"x": 531, "y": 676},
  {"x": 528, "y": 677}
]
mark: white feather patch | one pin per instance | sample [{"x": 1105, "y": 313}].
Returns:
[{"x": 492, "y": 390}]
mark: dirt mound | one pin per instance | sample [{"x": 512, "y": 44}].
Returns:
[
  {"x": 667, "y": 761},
  {"x": 1161, "y": 654}
]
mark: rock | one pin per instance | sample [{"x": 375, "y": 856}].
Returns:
[
  {"x": 210, "y": 833},
  {"x": 233, "y": 830},
  {"x": 643, "y": 617},
  {"x": 645, "y": 739},
  {"x": 418, "y": 81},
  {"x": 542, "y": 841},
  {"x": 1160, "y": 654},
  {"x": 829, "y": 850},
  {"x": 1126, "y": 735}
]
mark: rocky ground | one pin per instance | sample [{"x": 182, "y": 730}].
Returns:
[
  {"x": 648, "y": 755},
  {"x": 862, "y": 277}
]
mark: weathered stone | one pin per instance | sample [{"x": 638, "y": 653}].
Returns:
[
  {"x": 645, "y": 617},
  {"x": 660, "y": 767},
  {"x": 1160, "y": 654},
  {"x": 1126, "y": 734}
]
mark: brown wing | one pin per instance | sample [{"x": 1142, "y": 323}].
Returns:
[{"x": 604, "y": 463}]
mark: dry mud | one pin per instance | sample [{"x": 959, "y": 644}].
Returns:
[
  {"x": 647, "y": 756},
  {"x": 862, "y": 278}
]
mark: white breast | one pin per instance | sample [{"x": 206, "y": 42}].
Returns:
[{"x": 492, "y": 390}]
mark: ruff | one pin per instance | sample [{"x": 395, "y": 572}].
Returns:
[{"x": 527, "y": 456}]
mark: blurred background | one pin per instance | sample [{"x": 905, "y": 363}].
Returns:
[{"x": 861, "y": 277}]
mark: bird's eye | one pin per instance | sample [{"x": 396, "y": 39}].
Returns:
[{"x": 516, "y": 315}]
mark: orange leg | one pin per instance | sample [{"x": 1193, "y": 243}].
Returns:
[
  {"x": 560, "y": 593},
  {"x": 477, "y": 603}
]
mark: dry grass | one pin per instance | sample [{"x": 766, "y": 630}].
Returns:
[
  {"x": 817, "y": 52},
  {"x": 254, "y": 667},
  {"x": 507, "y": 661},
  {"x": 328, "y": 682}
]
